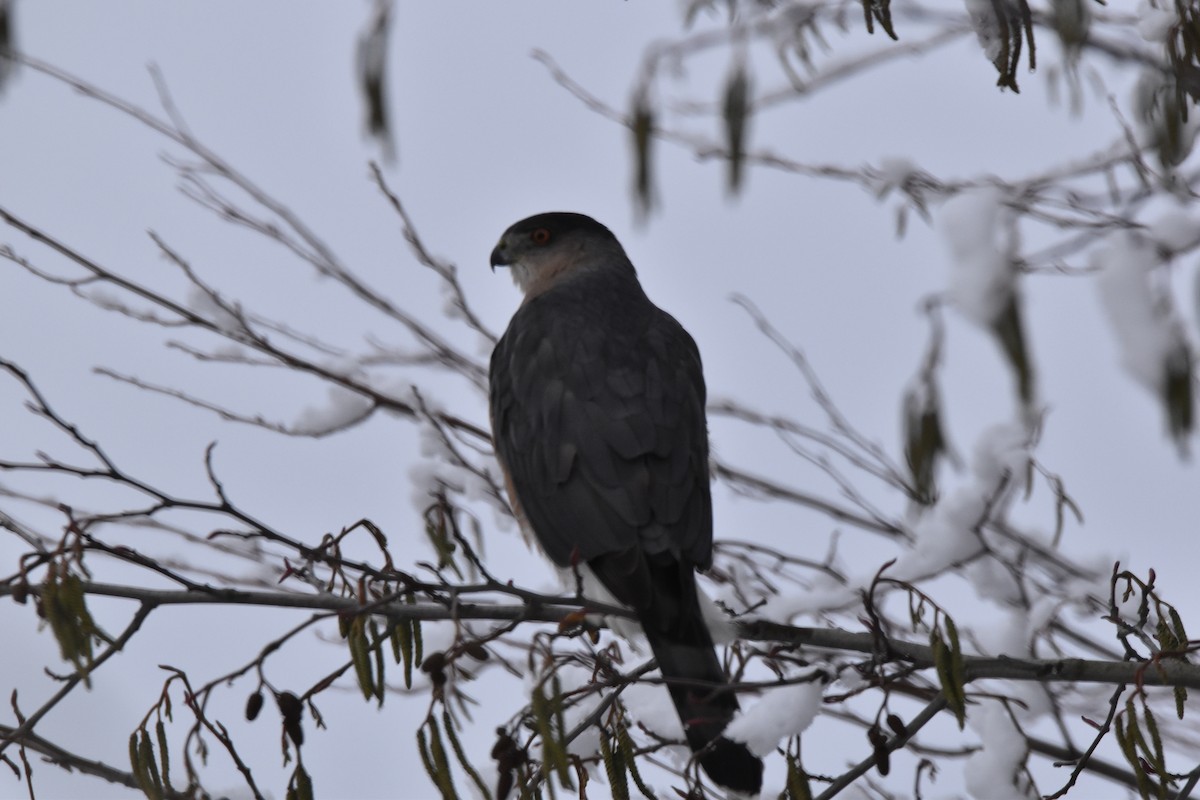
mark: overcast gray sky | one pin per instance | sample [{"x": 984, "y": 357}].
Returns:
[{"x": 485, "y": 138}]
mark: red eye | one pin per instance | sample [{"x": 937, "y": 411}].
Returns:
[{"x": 540, "y": 235}]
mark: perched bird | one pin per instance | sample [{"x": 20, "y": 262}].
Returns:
[{"x": 597, "y": 405}]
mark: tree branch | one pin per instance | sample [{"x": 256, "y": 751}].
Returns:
[{"x": 17, "y": 734}]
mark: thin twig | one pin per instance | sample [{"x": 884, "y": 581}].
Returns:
[{"x": 18, "y": 733}]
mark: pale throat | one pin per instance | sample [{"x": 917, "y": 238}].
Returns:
[{"x": 535, "y": 279}]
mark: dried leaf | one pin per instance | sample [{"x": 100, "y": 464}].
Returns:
[
  {"x": 1002, "y": 30},
  {"x": 7, "y": 42},
  {"x": 642, "y": 127},
  {"x": 376, "y": 641},
  {"x": 1010, "y": 333},
  {"x": 879, "y": 748},
  {"x": 879, "y": 11},
  {"x": 509, "y": 757},
  {"x": 1071, "y": 20},
  {"x": 292, "y": 712},
  {"x": 372, "y": 75},
  {"x": 736, "y": 114},
  {"x": 924, "y": 441},
  {"x": 254, "y": 704},
  {"x": 1178, "y": 398},
  {"x": 1163, "y": 110},
  {"x": 402, "y": 648}
]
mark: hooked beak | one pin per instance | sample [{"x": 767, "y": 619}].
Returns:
[{"x": 499, "y": 259}]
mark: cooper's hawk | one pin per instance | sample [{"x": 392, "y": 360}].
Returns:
[{"x": 597, "y": 403}]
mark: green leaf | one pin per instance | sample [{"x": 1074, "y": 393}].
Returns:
[
  {"x": 426, "y": 756},
  {"x": 614, "y": 768},
  {"x": 402, "y": 635},
  {"x": 1177, "y": 624},
  {"x": 629, "y": 755},
  {"x": 56, "y": 615},
  {"x": 958, "y": 667},
  {"x": 164, "y": 753},
  {"x": 136, "y": 766},
  {"x": 301, "y": 787},
  {"x": 1156, "y": 758},
  {"x": 1165, "y": 635},
  {"x": 443, "y": 545},
  {"x": 444, "y": 779},
  {"x": 153, "y": 787},
  {"x": 360, "y": 657},
  {"x": 796, "y": 783},
  {"x": 1137, "y": 741},
  {"x": 943, "y": 661},
  {"x": 547, "y": 720},
  {"x": 1125, "y": 742},
  {"x": 460, "y": 754}
]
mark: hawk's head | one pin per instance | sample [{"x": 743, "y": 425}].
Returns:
[{"x": 546, "y": 248}]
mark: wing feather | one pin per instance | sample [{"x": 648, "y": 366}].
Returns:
[{"x": 597, "y": 400}]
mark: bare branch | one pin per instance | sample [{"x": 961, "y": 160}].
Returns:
[{"x": 17, "y": 734}]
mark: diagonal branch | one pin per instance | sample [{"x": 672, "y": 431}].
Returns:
[
  {"x": 895, "y": 743},
  {"x": 17, "y": 734}
]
